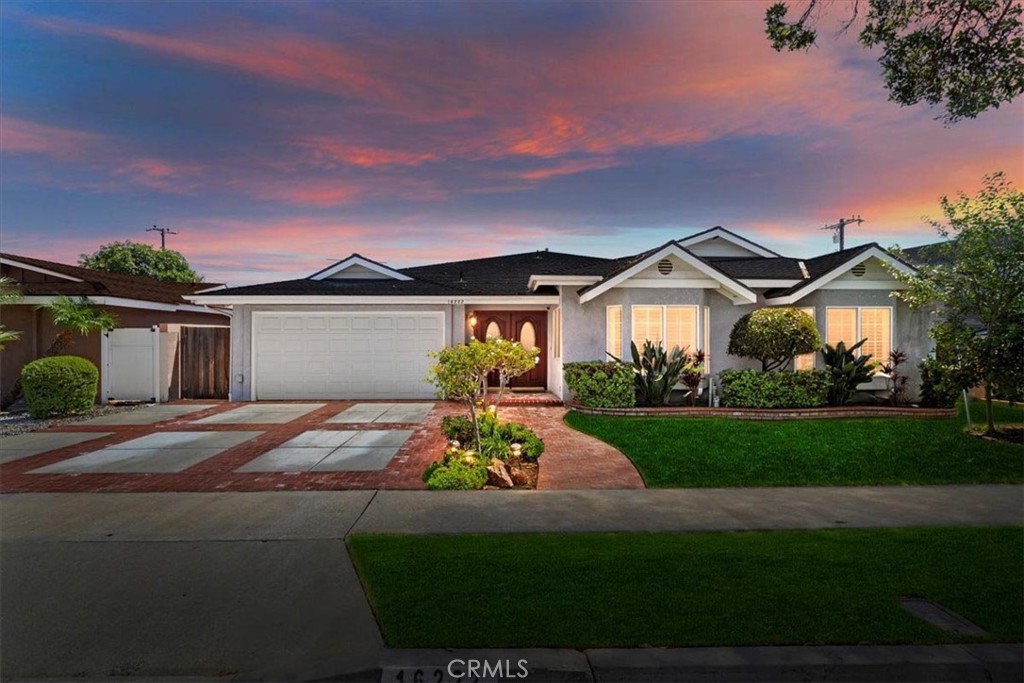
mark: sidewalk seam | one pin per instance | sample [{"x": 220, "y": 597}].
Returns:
[{"x": 360, "y": 515}]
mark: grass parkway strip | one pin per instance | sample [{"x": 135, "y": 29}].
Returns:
[
  {"x": 719, "y": 452},
  {"x": 766, "y": 588}
]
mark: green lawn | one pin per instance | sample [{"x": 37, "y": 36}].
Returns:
[
  {"x": 1002, "y": 411},
  {"x": 700, "y": 452},
  {"x": 586, "y": 590}
]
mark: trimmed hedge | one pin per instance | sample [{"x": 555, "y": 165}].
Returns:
[
  {"x": 59, "y": 385},
  {"x": 601, "y": 385},
  {"x": 756, "y": 389}
]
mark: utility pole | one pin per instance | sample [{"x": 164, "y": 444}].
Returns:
[
  {"x": 164, "y": 232},
  {"x": 839, "y": 230}
]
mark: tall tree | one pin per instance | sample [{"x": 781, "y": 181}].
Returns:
[
  {"x": 137, "y": 258},
  {"x": 978, "y": 280},
  {"x": 966, "y": 55}
]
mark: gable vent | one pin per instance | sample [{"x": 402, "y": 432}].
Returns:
[
  {"x": 664, "y": 266},
  {"x": 859, "y": 270}
]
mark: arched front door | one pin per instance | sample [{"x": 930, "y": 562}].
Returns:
[{"x": 528, "y": 327}]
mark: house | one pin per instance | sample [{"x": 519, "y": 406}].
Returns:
[
  {"x": 147, "y": 357},
  {"x": 361, "y": 329}
]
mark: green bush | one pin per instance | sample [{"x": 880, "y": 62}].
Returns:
[
  {"x": 59, "y": 385},
  {"x": 754, "y": 389},
  {"x": 517, "y": 432},
  {"x": 454, "y": 475},
  {"x": 774, "y": 336},
  {"x": 457, "y": 428},
  {"x": 938, "y": 385},
  {"x": 601, "y": 385}
]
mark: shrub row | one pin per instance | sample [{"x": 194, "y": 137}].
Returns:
[
  {"x": 755, "y": 389},
  {"x": 601, "y": 385}
]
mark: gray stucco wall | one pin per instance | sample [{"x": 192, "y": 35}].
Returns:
[
  {"x": 584, "y": 324},
  {"x": 241, "y": 333}
]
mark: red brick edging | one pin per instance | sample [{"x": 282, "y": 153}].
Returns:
[{"x": 768, "y": 414}]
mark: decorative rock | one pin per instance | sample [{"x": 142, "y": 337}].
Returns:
[
  {"x": 497, "y": 475},
  {"x": 519, "y": 476}
]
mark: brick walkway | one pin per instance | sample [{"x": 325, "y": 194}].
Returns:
[{"x": 571, "y": 460}]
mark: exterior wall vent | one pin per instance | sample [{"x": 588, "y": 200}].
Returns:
[
  {"x": 664, "y": 266},
  {"x": 859, "y": 270}
]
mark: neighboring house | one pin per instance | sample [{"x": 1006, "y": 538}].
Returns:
[
  {"x": 360, "y": 329},
  {"x": 140, "y": 360}
]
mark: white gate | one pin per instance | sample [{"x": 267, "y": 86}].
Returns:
[{"x": 131, "y": 369}]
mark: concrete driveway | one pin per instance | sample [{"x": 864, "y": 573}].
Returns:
[{"x": 266, "y": 446}]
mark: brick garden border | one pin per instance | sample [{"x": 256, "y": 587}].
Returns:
[{"x": 768, "y": 413}]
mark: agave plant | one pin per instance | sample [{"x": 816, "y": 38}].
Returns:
[
  {"x": 656, "y": 371},
  {"x": 846, "y": 370}
]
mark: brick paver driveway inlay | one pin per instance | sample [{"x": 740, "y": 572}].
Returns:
[
  {"x": 164, "y": 452},
  {"x": 24, "y": 445},
  {"x": 262, "y": 413},
  {"x": 147, "y": 415},
  {"x": 332, "y": 451},
  {"x": 384, "y": 413}
]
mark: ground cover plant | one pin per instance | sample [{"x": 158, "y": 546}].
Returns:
[
  {"x": 707, "y": 452},
  {"x": 781, "y": 587}
]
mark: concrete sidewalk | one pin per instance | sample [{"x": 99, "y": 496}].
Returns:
[{"x": 260, "y": 585}]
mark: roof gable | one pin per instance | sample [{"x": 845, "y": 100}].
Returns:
[
  {"x": 673, "y": 252},
  {"x": 356, "y": 267},
  {"x": 719, "y": 242},
  {"x": 829, "y": 268}
]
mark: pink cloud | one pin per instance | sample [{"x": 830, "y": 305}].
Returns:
[{"x": 20, "y": 136}]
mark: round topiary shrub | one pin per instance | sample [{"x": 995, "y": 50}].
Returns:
[
  {"x": 774, "y": 336},
  {"x": 59, "y": 385}
]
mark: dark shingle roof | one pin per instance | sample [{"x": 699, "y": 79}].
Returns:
[
  {"x": 780, "y": 268},
  {"x": 934, "y": 254},
  {"x": 99, "y": 283},
  {"x": 819, "y": 266}
]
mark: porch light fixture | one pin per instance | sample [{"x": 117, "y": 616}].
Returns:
[{"x": 472, "y": 319}]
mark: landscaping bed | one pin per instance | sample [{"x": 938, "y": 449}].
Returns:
[
  {"x": 723, "y": 452},
  {"x": 722, "y": 588}
]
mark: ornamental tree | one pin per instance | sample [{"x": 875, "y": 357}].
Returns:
[
  {"x": 457, "y": 376},
  {"x": 977, "y": 281},
  {"x": 137, "y": 258},
  {"x": 510, "y": 360},
  {"x": 774, "y": 336}
]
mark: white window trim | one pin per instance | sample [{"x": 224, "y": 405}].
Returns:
[
  {"x": 892, "y": 326},
  {"x": 608, "y": 329},
  {"x": 698, "y": 318}
]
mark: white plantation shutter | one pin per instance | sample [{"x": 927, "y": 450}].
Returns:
[
  {"x": 707, "y": 340},
  {"x": 841, "y": 326},
  {"x": 876, "y": 325},
  {"x": 681, "y": 328},
  {"x": 805, "y": 361},
  {"x": 613, "y": 330},
  {"x": 647, "y": 324}
]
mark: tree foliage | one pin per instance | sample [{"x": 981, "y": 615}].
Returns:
[
  {"x": 75, "y": 316},
  {"x": 966, "y": 55},
  {"x": 774, "y": 336},
  {"x": 137, "y": 258},
  {"x": 9, "y": 294},
  {"x": 978, "y": 282}
]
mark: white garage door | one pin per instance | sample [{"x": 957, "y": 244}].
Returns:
[{"x": 344, "y": 355}]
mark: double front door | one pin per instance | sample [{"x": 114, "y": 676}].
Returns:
[{"x": 527, "y": 327}]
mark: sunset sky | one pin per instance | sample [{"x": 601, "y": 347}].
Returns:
[{"x": 275, "y": 138}]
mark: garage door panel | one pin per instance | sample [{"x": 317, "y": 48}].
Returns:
[{"x": 345, "y": 355}]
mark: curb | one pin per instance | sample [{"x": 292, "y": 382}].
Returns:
[{"x": 994, "y": 662}]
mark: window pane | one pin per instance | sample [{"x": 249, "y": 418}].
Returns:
[
  {"x": 841, "y": 326},
  {"x": 805, "y": 361},
  {"x": 647, "y": 324},
  {"x": 528, "y": 335},
  {"x": 681, "y": 328},
  {"x": 876, "y": 325},
  {"x": 493, "y": 330},
  {"x": 613, "y": 331}
]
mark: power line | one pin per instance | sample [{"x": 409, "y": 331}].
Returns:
[{"x": 164, "y": 232}]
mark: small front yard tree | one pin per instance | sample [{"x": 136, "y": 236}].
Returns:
[
  {"x": 774, "y": 336},
  {"x": 977, "y": 280},
  {"x": 511, "y": 359}
]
